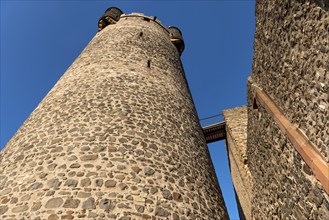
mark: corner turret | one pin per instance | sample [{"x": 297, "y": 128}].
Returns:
[
  {"x": 177, "y": 39},
  {"x": 110, "y": 16}
]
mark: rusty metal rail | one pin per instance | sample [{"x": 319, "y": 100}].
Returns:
[{"x": 215, "y": 132}]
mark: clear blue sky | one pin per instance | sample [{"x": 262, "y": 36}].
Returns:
[{"x": 40, "y": 39}]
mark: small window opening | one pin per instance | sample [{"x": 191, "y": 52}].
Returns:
[
  {"x": 141, "y": 34},
  {"x": 254, "y": 104},
  {"x": 149, "y": 63}
]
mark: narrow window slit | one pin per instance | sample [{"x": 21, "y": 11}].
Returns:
[
  {"x": 254, "y": 104},
  {"x": 141, "y": 34},
  {"x": 149, "y": 63}
]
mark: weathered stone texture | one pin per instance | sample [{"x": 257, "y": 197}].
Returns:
[
  {"x": 236, "y": 120},
  {"x": 116, "y": 138},
  {"x": 291, "y": 65}
]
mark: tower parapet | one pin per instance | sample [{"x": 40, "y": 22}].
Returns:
[{"x": 113, "y": 14}]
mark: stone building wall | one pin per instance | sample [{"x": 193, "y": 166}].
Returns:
[
  {"x": 291, "y": 53},
  {"x": 117, "y": 137},
  {"x": 236, "y": 142}
]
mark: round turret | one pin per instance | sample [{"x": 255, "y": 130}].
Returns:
[
  {"x": 177, "y": 39},
  {"x": 110, "y": 16}
]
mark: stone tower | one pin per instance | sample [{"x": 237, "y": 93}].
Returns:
[
  {"x": 287, "y": 146},
  {"x": 278, "y": 144},
  {"x": 118, "y": 136}
]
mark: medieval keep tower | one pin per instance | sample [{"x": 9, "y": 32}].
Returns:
[{"x": 117, "y": 137}]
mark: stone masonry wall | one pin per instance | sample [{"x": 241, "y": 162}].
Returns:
[
  {"x": 117, "y": 137},
  {"x": 236, "y": 141},
  {"x": 291, "y": 65}
]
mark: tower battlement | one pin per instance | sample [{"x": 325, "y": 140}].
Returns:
[{"x": 113, "y": 15}]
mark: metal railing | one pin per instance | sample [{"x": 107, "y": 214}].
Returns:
[{"x": 213, "y": 128}]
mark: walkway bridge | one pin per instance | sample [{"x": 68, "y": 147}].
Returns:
[
  {"x": 213, "y": 128},
  {"x": 214, "y": 132}
]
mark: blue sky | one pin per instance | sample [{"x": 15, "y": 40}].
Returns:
[{"x": 40, "y": 39}]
